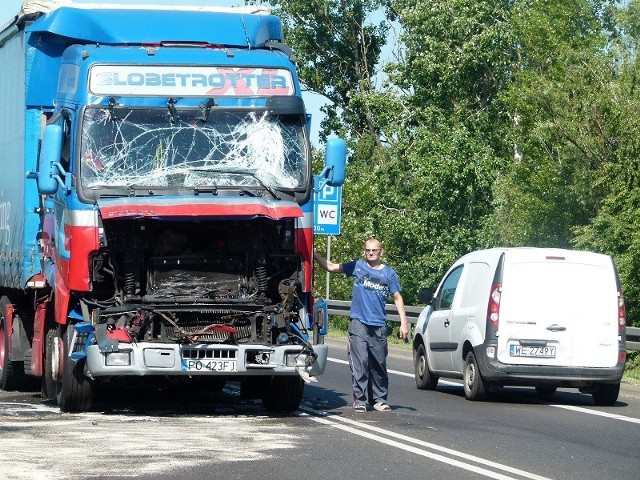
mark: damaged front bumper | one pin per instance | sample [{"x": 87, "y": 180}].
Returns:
[{"x": 173, "y": 359}]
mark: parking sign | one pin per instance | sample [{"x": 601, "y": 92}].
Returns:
[{"x": 327, "y": 210}]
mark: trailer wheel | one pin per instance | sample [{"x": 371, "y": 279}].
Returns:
[
  {"x": 11, "y": 373},
  {"x": 283, "y": 394},
  {"x": 74, "y": 391}
]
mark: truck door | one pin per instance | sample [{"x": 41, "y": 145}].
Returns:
[{"x": 439, "y": 345}]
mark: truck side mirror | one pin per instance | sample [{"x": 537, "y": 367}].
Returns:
[
  {"x": 336, "y": 160},
  {"x": 334, "y": 163},
  {"x": 50, "y": 152},
  {"x": 426, "y": 296}
]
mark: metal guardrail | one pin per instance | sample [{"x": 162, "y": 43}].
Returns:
[
  {"x": 633, "y": 338},
  {"x": 341, "y": 308}
]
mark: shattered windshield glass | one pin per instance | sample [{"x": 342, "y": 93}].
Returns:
[{"x": 154, "y": 148}]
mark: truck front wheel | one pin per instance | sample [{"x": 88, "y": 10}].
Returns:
[
  {"x": 49, "y": 368},
  {"x": 283, "y": 394},
  {"x": 74, "y": 391}
]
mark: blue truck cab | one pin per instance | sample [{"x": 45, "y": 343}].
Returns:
[{"x": 156, "y": 213}]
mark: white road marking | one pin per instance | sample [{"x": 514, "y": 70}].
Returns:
[
  {"x": 598, "y": 413},
  {"x": 386, "y": 436}
]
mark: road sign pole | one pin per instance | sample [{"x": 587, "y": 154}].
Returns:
[{"x": 328, "y": 258}]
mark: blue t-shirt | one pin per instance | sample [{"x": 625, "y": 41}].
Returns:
[{"x": 371, "y": 289}]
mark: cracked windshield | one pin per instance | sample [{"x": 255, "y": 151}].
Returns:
[{"x": 192, "y": 148}]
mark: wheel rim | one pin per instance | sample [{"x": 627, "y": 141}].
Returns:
[
  {"x": 471, "y": 376},
  {"x": 422, "y": 366},
  {"x": 56, "y": 359}
]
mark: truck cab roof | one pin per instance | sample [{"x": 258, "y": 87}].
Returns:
[{"x": 248, "y": 27}]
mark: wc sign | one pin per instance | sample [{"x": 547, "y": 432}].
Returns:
[{"x": 326, "y": 210}]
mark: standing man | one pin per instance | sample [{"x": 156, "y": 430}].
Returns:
[{"x": 372, "y": 285}]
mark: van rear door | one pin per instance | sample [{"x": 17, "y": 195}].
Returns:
[{"x": 558, "y": 308}]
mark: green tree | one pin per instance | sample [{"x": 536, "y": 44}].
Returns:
[
  {"x": 558, "y": 99},
  {"x": 337, "y": 45},
  {"x": 446, "y": 136},
  {"x": 615, "y": 227}
]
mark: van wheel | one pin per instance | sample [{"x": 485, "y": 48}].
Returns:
[
  {"x": 606, "y": 395},
  {"x": 425, "y": 380},
  {"x": 546, "y": 391},
  {"x": 475, "y": 387}
]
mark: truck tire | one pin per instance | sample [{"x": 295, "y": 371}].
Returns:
[
  {"x": 425, "y": 380},
  {"x": 606, "y": 395},
  {"x": 12, "y": 376},
  {"x": 283, "y": 394},
  {"x": 74, "y": 392},
  {"x": 48, "y": 391},
  {"x": 475, "y": 387}
]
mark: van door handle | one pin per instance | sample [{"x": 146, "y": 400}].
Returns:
[
  {"x": 556, "y": 328},
  {"x": 447, "y": 322}
]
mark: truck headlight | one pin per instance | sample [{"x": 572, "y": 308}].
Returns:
[
  {"x": 291, "y": 358},
  {"x": 118, "y": 359}
]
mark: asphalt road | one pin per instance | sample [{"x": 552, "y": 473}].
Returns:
[{"x": 190, "y": 434}]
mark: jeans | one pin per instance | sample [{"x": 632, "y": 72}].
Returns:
[{"x": 368, "y": 361}]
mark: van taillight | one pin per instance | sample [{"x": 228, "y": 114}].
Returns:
[
  {"x": 622, "y": 314},
  {"x": 493, "y": 310}
]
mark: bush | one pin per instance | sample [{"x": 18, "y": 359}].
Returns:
[{"x": 632, "y": 367}]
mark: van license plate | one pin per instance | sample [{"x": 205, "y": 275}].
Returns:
[
  {"x": 535, "y": 352},
  {"x": 210, "y": 365}
]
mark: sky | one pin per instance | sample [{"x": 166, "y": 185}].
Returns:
[{"x": 313, "y": 102}]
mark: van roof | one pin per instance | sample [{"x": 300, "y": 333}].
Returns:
[{"x": 493, "y": 254}]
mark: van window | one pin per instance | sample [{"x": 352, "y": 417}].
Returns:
[
  {"x": 476, "y": 284},
  {"x": 448, "y": 291}
]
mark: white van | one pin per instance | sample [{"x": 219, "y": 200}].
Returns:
[{"x": 538, "y": 317}]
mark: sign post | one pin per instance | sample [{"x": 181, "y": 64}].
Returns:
[{"x": 327, "y": 210}]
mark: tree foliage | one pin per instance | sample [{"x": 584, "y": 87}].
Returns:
[
  {"x": 502, "y": 122},
  {"x": 337, "y": 46}
]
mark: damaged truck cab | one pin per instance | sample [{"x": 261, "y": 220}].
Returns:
[{"x": 162, "y": 224}]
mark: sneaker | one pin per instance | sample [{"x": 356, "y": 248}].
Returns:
[
  {"x": 382, "y": 407},
  {"x": 359, "y": 408}
]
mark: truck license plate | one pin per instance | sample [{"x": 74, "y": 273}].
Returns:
[
  {"x": 210, "y": 365},
  {"x": 535, "y": 352}
]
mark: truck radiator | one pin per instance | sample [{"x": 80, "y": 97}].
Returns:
[{"x": 202, "y": 330}]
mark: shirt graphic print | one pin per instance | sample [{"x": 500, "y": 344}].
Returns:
[{"x": 371, "y": 289}]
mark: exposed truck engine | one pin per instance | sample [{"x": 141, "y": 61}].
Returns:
[{"x": 156, "y": 202}]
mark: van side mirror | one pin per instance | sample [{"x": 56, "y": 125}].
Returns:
[
  {"x": 50, "y": 151},
  {"x": 426, "y": 296},
  {"x": 334, "y": 163}
]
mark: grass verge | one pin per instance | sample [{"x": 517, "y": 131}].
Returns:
[{"x": 632, "y": 368}]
